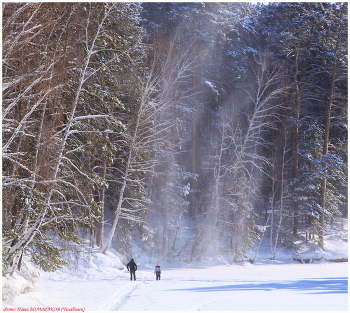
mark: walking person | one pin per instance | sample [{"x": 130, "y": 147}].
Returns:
[
  {"x": 157, "y": 272},
  {"x": 132, "y": 268}
]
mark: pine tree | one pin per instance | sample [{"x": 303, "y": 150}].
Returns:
[
  {"x": 83, "y": 59},
  {"x": 303, "y": 29}
]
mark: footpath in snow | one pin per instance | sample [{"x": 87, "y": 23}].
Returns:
[
  {"x": 99, "y": 282},
  {"x": 279, "y": 287},
  {"x": 246, "y": 287}
]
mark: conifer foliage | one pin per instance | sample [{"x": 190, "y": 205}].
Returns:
[
  {"x": 63, "y": 69},
  {"x": 187, "y": 129}
]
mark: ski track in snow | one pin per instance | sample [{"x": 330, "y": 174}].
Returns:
[
  {"x": 274, "y": 287},
  {"x": 165, "y": 284},
  {"x": 286, "y": 288},
  {"x": 123, "y": 294}
]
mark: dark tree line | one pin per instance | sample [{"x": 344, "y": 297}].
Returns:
[{"x": 187, "y": 129}]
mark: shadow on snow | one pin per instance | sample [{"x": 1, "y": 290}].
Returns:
[{"x": 316, "y": 286}]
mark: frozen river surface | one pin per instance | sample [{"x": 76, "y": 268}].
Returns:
[
  {"x": 284, "y": 287},
  {"x": 245, "y": 287}
]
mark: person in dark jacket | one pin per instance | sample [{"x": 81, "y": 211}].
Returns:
[
  {"x": 157, "y": 272},
  {"x": 132, "y": 268}
]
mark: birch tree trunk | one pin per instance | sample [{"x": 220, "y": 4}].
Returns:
[
  {"x": 28, "y": 233},
  {"x": 144, "y": 133},
  {"x": 296, "y": 135}
]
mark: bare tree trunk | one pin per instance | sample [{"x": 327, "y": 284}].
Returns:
[
  {"x": 325, "y": 151},
  {"x": 117, "y": 210},
  {"x": 282, "y": 194},
  {"x": 164, "y": 239},
  {"x": 26, "y": 237},
  {"x": 100, "y": 224},
  {"x": 193, "y": 181},
  {"x": 296, "y": 137},
  {"x": 328, "y": 123},
  {"x": 158, "y": 92}
]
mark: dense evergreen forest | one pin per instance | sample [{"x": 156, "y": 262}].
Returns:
[{"x": 187, "y": 129}]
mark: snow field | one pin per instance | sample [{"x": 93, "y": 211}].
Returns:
[
  {"x": 246, "y": 287},
  {"x": 274, "y": 287},
  {"x": 100, "y": 283}
]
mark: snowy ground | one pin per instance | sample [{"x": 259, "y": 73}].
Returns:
[
  {"x": 102, "y": 284},
  {"x": 260, "y": 287},
  {"x": 243, "y": 288}
]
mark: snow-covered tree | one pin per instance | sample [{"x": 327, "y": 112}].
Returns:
[
  {"x": 74, "y": 59},
  {"x": 148, "y": 130},
  {"x": 170, "y": 121},
  {"x": 313, "y": 52}
]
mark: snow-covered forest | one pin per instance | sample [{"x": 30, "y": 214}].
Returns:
[{"x": 183, "y": 131}]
